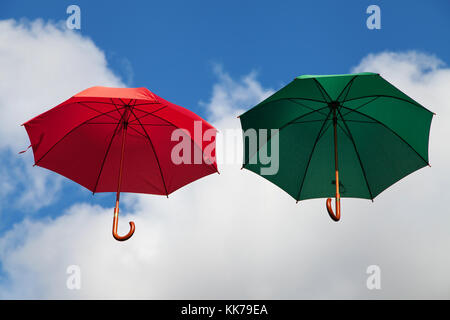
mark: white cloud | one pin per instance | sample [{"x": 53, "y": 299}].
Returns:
[
  {"x": 42, "y": 65},
  {"x": 424, "y": 78},
  {"x": 230, "y": 97},
  {"x": 235, "y": 235}
]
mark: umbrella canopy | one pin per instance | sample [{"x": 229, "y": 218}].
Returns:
[
  {"x": 119, "y": 139},
  {"x": 350, "y": 135}
]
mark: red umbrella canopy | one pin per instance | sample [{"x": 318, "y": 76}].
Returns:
[{"x": 90, "y": 137}]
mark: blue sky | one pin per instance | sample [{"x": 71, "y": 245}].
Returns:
[{"x": 171, "y": 47}]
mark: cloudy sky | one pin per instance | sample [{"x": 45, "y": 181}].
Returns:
[{"x": 233, "y": 235}]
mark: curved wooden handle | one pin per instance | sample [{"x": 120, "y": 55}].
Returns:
[
  {"x": 115, "y": 224},
  {"x": 335, "y": 217}
]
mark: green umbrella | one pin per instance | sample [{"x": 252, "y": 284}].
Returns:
[{"x": 350, "y": 135}]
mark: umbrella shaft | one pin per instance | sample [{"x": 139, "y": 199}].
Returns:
[
  {"x": 124, "y": 132},
  {"x": 336, "y": 154},
  {"x": 116, "y": 210}
]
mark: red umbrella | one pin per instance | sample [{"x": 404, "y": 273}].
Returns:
[{"x": 121, "y": 139}]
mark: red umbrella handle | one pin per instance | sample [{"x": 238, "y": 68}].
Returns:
[{"x": 115, "y": 224}]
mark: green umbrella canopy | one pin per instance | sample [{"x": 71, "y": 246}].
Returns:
[{"x": 357, "y": 124}]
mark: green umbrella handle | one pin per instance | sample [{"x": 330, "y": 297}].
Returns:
[{"x": 337, "y": 216}]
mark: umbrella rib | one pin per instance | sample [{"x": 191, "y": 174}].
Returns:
[
  {"x": 357, "y": 154},
  {"x": 124, "y": 101},
  {"x": 281, "y": 128},
  {"x": 328, "y": 126},
  {"x": 106, "y": 153},
  {"x": 72, "y": 130},
  {"x": 152, "y": 124},
  {"x": 381, "y": 123},
  {"x": 89, "y": 107},
  {"x": 109, "y": 147},
  {"x": 147, "y": 113},
  {"x": 264, "y": 104},
  {"x": 307, "y": 121},
  {"x": 154, "y": 152},
  {"x": 340, "y": 126},
  {"x": 103, "y": 122},
  {"x": 359, "y": 107},
  {"x": 115, "y": 105},
  {"x": 325, "y": 130},
  {"x": 135, "y": 130},
  {"x": 388, "y": 96},
  {"x": 304, "y": 115},
  {"x": 147, "y": 103},
  {"x": 152, "y": 114},
  {"x": 170, "y": 123},
  {"x": 349, "y": 84},
  {"x": 311, "y": 154},
  {"x": 303, "y": 105},
  {"x": 281, "y": 99},
  {"x": 321, "y": 88},
  {"x": 102, "y": 102},
  {"x": 297, "y": 98},
  {"x": 359, "y": 121}
]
